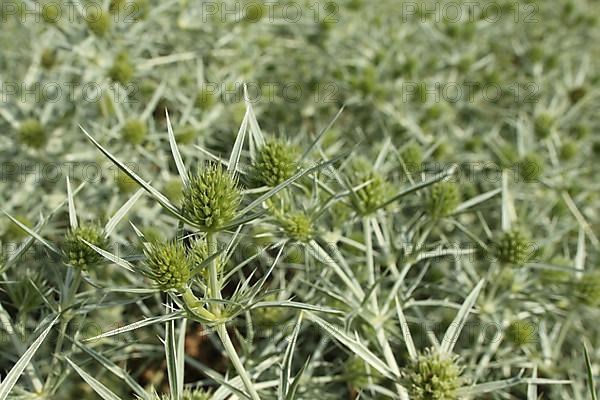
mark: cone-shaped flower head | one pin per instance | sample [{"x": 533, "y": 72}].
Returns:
[
  {"x": 168, "y": 265},
  {"x": 433, "y": 376},
  {"x": 275, "y": 163},
  {"x": 513, "y": 247},
  {"x": 122, "y": 70},
  {"x": 443, "y": 199},
  {"x": 373, "y": 193},
  {"x": 98, "y": 21},
  {"x": 211, "y": 198},
  {"x": 31, "y": 133},
  {"x": 134, "y": 131},
  {"x": 588, "y": 289},
  {"x": 412, "y": 155},
  {"x": 77, "y": 253},
  {"x": 298, "y": 227}
]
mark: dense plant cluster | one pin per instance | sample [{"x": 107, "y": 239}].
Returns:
[{"x": 374, "y": 200}]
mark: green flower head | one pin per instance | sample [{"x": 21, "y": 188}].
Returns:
[
  {"x": 372, "y": 194},
  {"x": 531, "y": 167},
  {"x": 543, "y": 125},
  {"x": 588, "y": 289},
  {"x": 32, "y": 133},
  {"x": 125, "y": 183},
  {"x": 275, "y": 163},
  {"x": 568, "y": 150},
  {"x": 211, "y": 198},
  {"x": 359, "y": 374},
  {"x": 412, "y": 156},
  {"x": 205, "y": 99},
  {"x": 168, "y": 265},
  {"x": 187, "y": 134},
  {"x": 98, "y": 21},
  {"x": 122, "y": 70},
  {"x": 199, "y": 251},
  {"x": 521, "y": 332},
  {"x": 433, "y": 376},
  {"x": 48, "y": 58},
  {"x": 298, "y": 227},
  {"x": 51, "y": 13},
  {"x": 173, "y": 189},
  {"x": 134, "y": 131},
  {"x": 443, "y": 199},
  {"x": 513, "y": 247},
  {"x": 77, "y": 253}
]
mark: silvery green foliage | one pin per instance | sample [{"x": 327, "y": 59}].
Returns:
[{"x": 321, "y": 281}]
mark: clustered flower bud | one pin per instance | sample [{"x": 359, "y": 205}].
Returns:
[
  {"x": 199, "y": 251},
  {"x": 513, "y": 247},
  {"x": 48, "y": 58},
  {"x": 443, "y": 199},
  {"x": 134, "y": 131},
  {"x": 122, "y": 70},
  {"x": 204, "y": 99},
  {"x": 186, "y": 134},
  {"x": 371, "y": 195},
  {"x": 412, "y": 156},
  {"x": 588, "y": 289},
  {"x": 520, "y": 332},
  {"x": 211, "y": 197},
  {"x": 543, "y": 125},
  {"x": 298, "y": 227},
  {"x": 168, "y": 265},
  {"x": 173, "y": 189},
  {"x": 32, "y": 133},
  {"x": 125, "y": 183},
  {"x": 77, "y": 253},
  {"x": 433, "y": 376},
  {"x": 359, "y": 374},
  {"x": 98, "y": 22},
  {"x": 50, "y": 13},
  {"x": 275, "y": 163},
  {"x": 531, "y": 167},
  {"x": 568, "y": 150}
]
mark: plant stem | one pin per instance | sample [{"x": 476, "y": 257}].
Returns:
[
  {"x": 235, "y": 359},
  {"x": 370, "y": 263},
  {"x": 215, "y": 292},
  {"x": 213, "y": 272}
]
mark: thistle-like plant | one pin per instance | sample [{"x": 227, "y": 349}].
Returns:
[
  {"x": 211, "y": 198},
  {"x": 31, "y": 133},
  {"x": 134, "y": 131},
  {"x": 168, "y": 265},
  {"x": 443, "y": 199},
  {"x": 76, "y": 250},
  {"x": 275, "y": 163},
  {"x": 433, "y": 376},
  {"x": 513, "y": 247}
]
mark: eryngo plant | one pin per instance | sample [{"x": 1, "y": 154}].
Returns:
[
  {"x": 275, "y": 163},
  {"x": 169, "y": 265},
  {"x": 433, "y": 376},
  {"x": 348, "y": 268},
  {"x": 211, "y": 197},
  {"x": 76, "y": 249}
]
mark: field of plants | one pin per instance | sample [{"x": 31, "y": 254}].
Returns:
[{"x": 299, "y": 199}]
